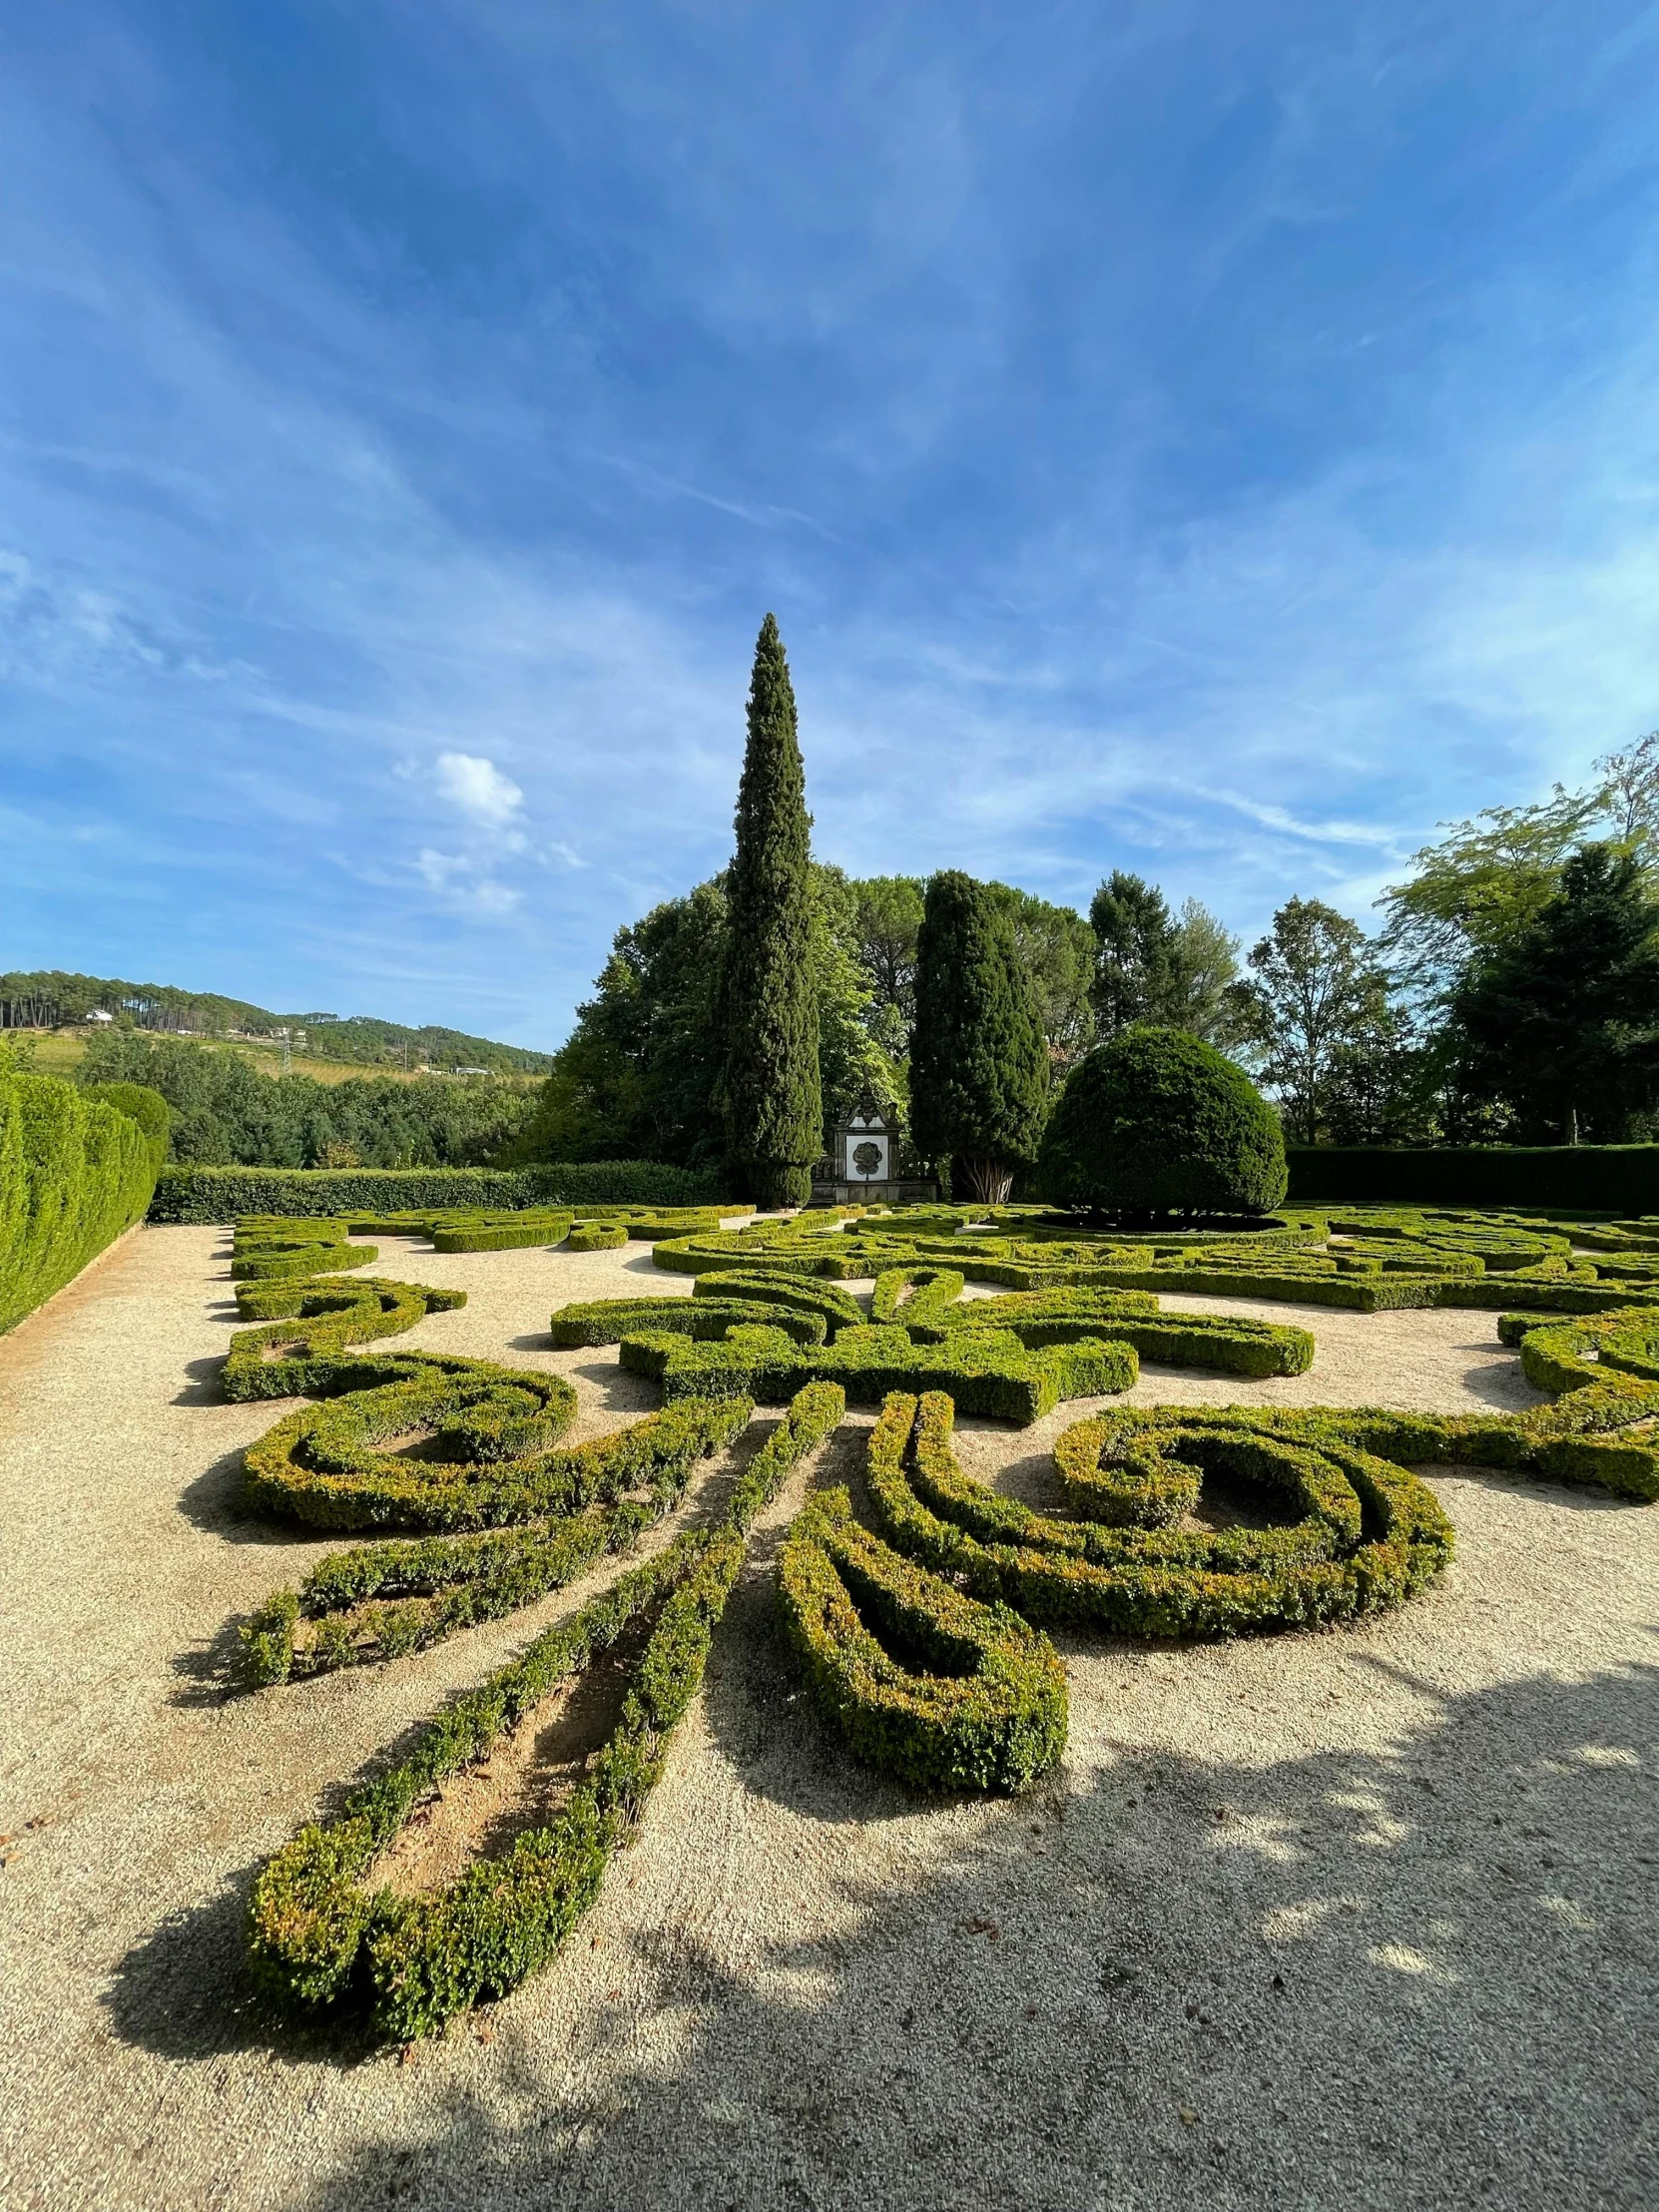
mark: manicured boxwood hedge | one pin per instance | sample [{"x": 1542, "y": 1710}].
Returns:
[
  {"x": 1615, "y": 1178},
  {"x": 1366, "y": 1534},
  {"x": 74, "y": 1175},
  {"x": 978, "y": 1703},
  {"x": 321, "y": 1935},
  {"x": 597, "y": 1236},
  {"x": 382, "y": 1599},
  {"x": 192, "y": 1194}
]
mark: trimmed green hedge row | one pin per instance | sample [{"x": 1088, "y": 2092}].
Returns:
[
  {"x": 74, "y": 1175},
  {"x": 982, "y": 1703},
  {"x": 379, "y": 1601},
  {"x": 598, "y": 1235},
  {"x": 988, "y": 1371},
  {"x": 1367, "y": 1533},
  {"x": 320, "y": 1936},
  {"x": 606, "y": 1321},
  {"x": 207, "y": 1195},
  {"x": 280, "y": 1360},
  {"x": 1618, "y": 1177}
]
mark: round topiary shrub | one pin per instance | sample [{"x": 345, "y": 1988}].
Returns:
[{"x": 1157, "y": 1123}]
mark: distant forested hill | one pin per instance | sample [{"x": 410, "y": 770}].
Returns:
[{"x": 49, "y": 1000}]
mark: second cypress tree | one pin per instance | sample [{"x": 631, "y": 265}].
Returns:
[
  {"x": 978, "y": 1059},
  {"x": 768, "y": 1003}
]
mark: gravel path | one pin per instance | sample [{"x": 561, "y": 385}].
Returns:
[{"x": 1353, "y": 1919}]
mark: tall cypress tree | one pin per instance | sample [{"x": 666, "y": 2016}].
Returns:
[
  {"x": 768, "y": 1008},
  {"x": 978, "y": 1059}
]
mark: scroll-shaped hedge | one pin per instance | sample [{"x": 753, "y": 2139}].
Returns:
[
  {"x": 379, "y": 1601},
  {"x": 280, "y": 1360},
  {"x": 322, "y": 1934},
  {"x": 1356, "y": 1533},
  {"x": 922, "y": 1682}
]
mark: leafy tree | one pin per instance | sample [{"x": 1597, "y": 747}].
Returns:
[
  {"x": 637, "y": 1077},
  {"x": 1315, "y": 987},
  {"x": 888, "y": 922},
  {"x": 979, "y": 1058},
  {"x": 857, "y": 1037},
  {"x": 1564, "y": 1019},
  {"x": 1152, "y": 967},
  {"x": 770, "y": 1091},
  {"x": 1492, "y": 875},
  {"x": 1056, "y": 947},
  {"x": 226, "y": 1112}
]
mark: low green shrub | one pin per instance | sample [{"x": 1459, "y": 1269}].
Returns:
[
  {"x": 319, "y": 1935},
  {"x": 278, "y": 1361},
  {"x": 206, "y": 1195},
  {"x": 970, "y": 1698},
  {"x": 989, "y": 1373},
  {"x": 597, "y": 1236},
  {"x": 1367, "y": 1533},
  {"x": 382, "y": 1599},
  {"x": 75, "y": 1174},
  {"x": 606, "y": 1321}
]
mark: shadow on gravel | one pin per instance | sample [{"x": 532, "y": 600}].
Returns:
[
  {"x": 206, "y": 1386},
  {"x": 184, "y": 1994},
  {"x": 1420, "y": 1978},
  {"x": 214, "y": 1502}
]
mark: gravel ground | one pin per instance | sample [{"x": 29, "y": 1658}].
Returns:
[{"x": 1360, "y": 1919}]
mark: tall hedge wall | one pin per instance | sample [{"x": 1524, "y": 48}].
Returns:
[
  {"x": 74, "y": 1173},
  {"x": 222, "y": 1194},
  {"x": 1600, "y": 1178}
]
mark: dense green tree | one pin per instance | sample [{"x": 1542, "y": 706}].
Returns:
[
  {"x": 978, "y": 1057},
  {"x": 770, "y": 1095},
  {"x": 1563, "y": 1020},
  {"x": 1316, "y": 986},
  {"x": 1491, "y": 877},
  {"x": 1155, "y": 1123},
  {"x": 1150, "y": 966},
  {"x": 226, "y": 1112},
  {"x": 1056, "y": 948},
  {"x": 888, "y": 923}
]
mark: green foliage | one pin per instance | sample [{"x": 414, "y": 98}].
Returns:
[
  {"x": 1157, "y": 1123},
  {"x": 978, "y": 1061},
  {"x": 970, "y": 1699},
  {"x": 1055, "y": 947},
  {"x": 1488, "y": 881},
  {"x": 1614, "y": 1178},
  {"x": 319, "y": 1937},
  {"x": 1562, "y": 1019},
  {"x": 74, "y": 1174},
  {"x": 226, "y": 1194},
  {"x": 1316, "y": 993},
  {"x": 597, "y": 1236},
  {"x": 1365, "y": 1533},
  {"x": 226, "y": 1112},
  {"x": 771, "y": 1094},
  {"x": 147, "y": 1108},
  {"x": 50, "y": 998},
  {"x": 1151, "y": 967}
]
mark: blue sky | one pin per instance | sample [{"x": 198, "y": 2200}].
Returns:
[{"x": 1220, "y": 442}]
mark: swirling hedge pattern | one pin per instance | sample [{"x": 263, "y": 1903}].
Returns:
[{"x": 918, "y": 1619}]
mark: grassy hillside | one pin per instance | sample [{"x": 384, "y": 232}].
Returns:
[{"x": 326, "y": 1045}]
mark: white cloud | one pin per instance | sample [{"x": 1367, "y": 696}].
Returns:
[{"x": 478, "y": 788}]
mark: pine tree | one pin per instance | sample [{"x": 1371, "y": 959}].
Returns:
[
  {"x": 978, "y": 1061},
  {"x": 767, "y": 1004},
  {"x": 1563, "y": 1021}
]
